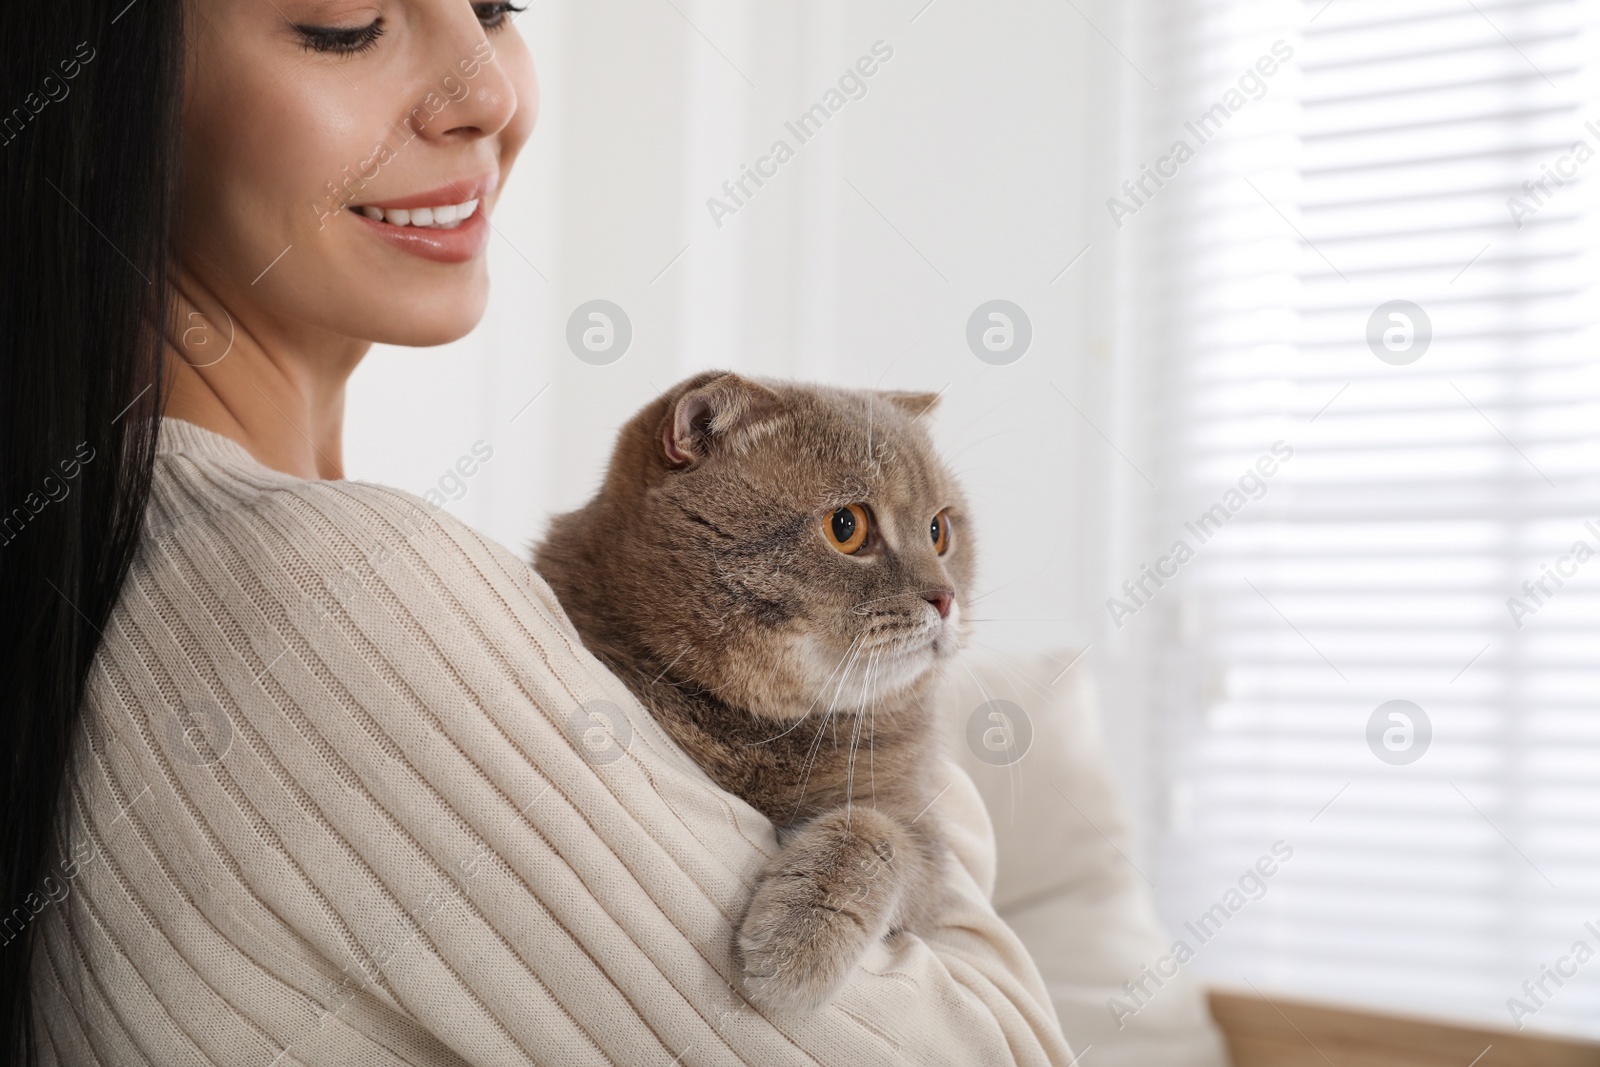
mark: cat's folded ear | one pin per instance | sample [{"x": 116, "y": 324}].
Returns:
[
  {"x": 715, "y": 412},
  {"x": 912, "y": 404}
]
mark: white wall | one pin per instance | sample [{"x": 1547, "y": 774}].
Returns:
[
  {"x": 974, "y": 168},
  {"x": 978, "y": 166}
]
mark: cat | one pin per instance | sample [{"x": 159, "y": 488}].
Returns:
[{"x": 777, "y": 570}]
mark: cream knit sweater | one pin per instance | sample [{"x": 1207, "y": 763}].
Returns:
[{"x": 331, "y": 805}]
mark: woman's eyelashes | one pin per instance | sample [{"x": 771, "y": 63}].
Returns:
[
  {"x": 341, "y": 41},
  {"x": 494, "y": 15},
  {"x": 352, "y": 40}
]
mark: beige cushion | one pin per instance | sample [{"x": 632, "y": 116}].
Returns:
[{"x": 1063, "y": 880}]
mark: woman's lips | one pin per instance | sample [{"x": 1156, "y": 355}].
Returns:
[
  {"x": 451, "y": 192},
  {"x": 466, "y": 241},
  {"x": 460, "y": 243}
]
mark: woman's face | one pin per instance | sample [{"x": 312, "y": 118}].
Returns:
[{"x": 305, "y": 118}]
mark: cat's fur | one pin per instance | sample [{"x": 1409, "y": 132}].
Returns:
[{"x": 800, "y": 678}]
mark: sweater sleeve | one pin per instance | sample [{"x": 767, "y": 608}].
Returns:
[{"x": 432, "y": 823}]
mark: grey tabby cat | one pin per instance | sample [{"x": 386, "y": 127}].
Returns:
[{"x": 776, "y": 570}]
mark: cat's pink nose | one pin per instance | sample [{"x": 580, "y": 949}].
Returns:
[{"x": 941, "y": 599}]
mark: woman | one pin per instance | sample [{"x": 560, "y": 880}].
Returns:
[{"x": 302, "y": 770}]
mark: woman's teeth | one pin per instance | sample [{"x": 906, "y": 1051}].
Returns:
[{"x": 444, "y": 217}]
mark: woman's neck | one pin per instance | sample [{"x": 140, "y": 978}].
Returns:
[{"x": 275, "y": 387}]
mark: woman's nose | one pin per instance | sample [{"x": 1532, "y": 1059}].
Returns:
[{"x": 482, "y": 96}]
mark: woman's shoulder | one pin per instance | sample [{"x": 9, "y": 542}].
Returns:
[{"x": 214, "y": 508}]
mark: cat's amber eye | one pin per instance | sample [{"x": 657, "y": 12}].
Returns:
[
  {"x": 940, "y": 529},
  {"x": 846, "y": 528}
]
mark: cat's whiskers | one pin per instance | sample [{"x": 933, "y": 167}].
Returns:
[
  {"x": 811, "y": 756},
  {"x": 681, "y": 653},
  {"x": 872, "y": 746},
  {"x": 854, "y": 608},
  {"x": 899, "y": 631},
  {"x": 871, "y": 398},
  {"x": 1023, "y": 668},
  {"x": 855, "y": 737},
  {"x": 1012, "y": 768},
  {"x": 822, "y": 726},
  {"x": 812, "y": 706}
]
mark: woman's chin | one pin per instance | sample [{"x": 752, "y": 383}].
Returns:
[{"x": 416, "y": 324}]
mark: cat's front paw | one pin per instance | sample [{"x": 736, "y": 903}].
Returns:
[
  {"x": 835, "y": 888},
  {"x": 798, "y": 947}
]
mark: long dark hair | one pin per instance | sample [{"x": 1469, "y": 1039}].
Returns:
[{"x": 90, "y": 171}]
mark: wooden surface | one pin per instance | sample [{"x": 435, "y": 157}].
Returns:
[{"x": 1277, "y": 1032}]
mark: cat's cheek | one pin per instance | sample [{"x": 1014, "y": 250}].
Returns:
[{"x": 815, "y": 663}]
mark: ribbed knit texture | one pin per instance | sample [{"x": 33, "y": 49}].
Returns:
[{"x": 328, "y": 807}]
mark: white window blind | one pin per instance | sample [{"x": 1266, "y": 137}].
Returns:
[{"x": 1385, "y": 161}]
